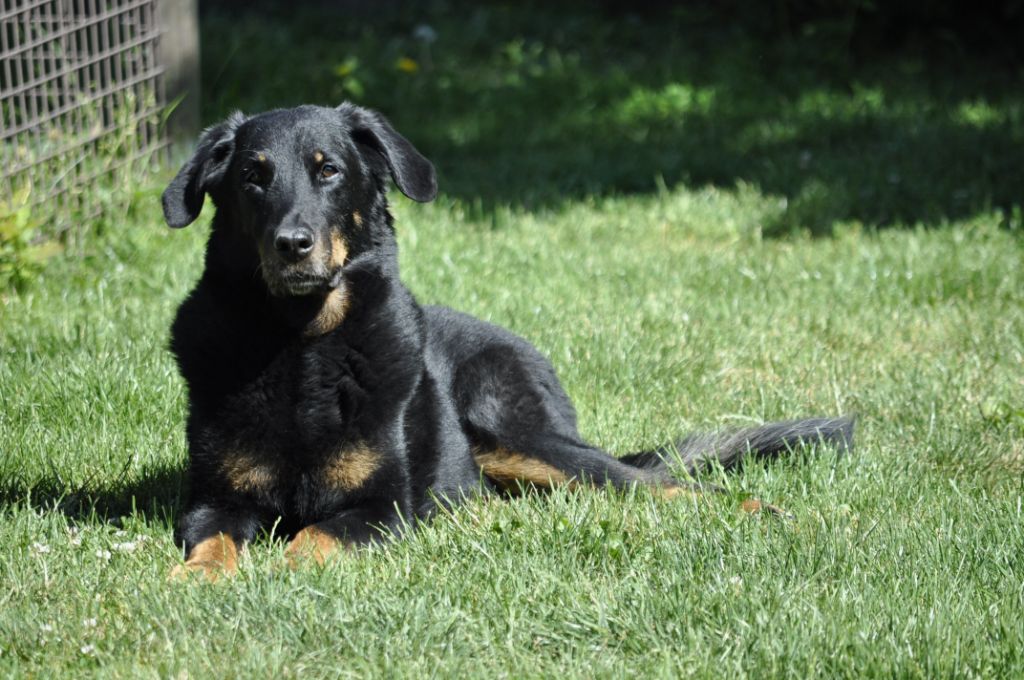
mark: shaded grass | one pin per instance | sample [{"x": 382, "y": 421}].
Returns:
[{"x": 533, "y": 104}]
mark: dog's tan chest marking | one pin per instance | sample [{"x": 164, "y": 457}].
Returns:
[
  {"x": 247, "y": 473},
  {"x": 339, "y": 250},
  {"x": 330, "y": 315},
  {"x": 508, "y": 468},
  {"x": 351, "y": 467},
  {"x": 335, "y": 305}
]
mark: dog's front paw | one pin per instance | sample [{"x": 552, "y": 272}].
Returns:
[
  {"x": 211, "y": 571},
  {"x": 212, "y": 558},
  {"x": 311, "y": 545}
]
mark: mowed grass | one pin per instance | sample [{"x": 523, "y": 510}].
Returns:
[
  {"x": 610, "y": 190},
  {"x": 662, "y": 314}
]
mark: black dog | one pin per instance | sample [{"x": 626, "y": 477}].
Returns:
[{"x": 323, "y": 398}]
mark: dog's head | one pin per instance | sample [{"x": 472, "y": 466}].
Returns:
[{"x": 301, "y": 190}]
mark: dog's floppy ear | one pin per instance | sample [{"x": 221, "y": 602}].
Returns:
[
  {"x": 183, "y": 198},
  {"x": 413, "y": 173}
]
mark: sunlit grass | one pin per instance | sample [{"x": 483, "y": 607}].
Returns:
[{"x": 662, "y": 314}]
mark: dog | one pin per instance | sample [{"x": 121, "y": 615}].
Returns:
[{"x": 324, "y": 401}]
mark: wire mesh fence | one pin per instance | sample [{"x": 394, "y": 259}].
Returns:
[{"x": 81, "y": 100}]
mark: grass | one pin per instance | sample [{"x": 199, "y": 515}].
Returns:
[
  {"x": 665, "y": 307},
  {"x": 536, "y": 103}
]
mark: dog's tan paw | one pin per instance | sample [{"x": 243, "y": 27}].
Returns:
[
  {"x": 212, "y": 558},
  {"x": 210, "y": 571},
  {"x": 754, "y": 506},
  {"x": 312, "y": 545}
]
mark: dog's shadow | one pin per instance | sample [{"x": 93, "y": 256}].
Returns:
[{"x": 154, "y": 495}]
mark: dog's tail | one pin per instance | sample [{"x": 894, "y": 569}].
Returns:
[{"x": 699, "y": 452}]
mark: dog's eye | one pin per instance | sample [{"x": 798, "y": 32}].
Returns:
[
  {"x": 327, "y": 171},
  {"x": 253, "y": 176}
]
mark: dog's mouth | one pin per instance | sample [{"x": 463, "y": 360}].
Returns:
[{"x": 295, "y": 283}]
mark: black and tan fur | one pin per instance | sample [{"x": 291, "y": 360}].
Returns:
[{"x": 323, "y": 399}]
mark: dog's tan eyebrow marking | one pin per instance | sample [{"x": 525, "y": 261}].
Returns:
[
  {"x": 261, "y": 157},
  {"x": 318, "y": 157},
  {"x": 357, "y": 218}
]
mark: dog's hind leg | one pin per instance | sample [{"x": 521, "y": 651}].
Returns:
[{"x": 523, "y": 427}]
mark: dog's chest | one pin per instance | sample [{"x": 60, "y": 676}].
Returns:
[
  {"x": 302, "y": 405},
  {"x": 289, "y": 438},
  {"x": 305, "y": 432},
  {"x": 295, "y": 424}
]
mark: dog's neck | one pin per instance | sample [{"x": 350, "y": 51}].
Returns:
[{"x": 313, "y": 315}]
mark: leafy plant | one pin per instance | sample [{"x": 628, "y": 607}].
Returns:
[{"x": 23, "y": 247}]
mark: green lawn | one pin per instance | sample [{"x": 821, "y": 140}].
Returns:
[{"x": 651, "y": 271}]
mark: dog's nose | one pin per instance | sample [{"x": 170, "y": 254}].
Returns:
[{"x": 293, "y": 243}]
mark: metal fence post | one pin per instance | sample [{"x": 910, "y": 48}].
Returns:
[{"x": 179, "y": 55}]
